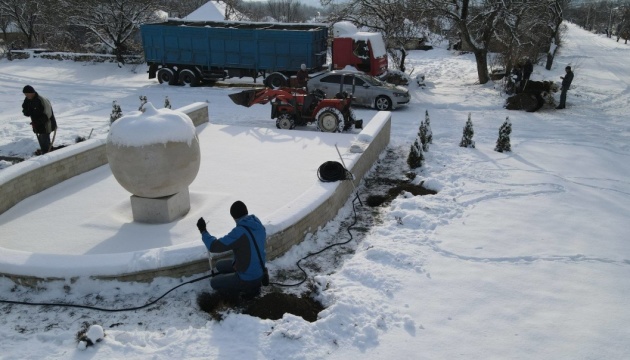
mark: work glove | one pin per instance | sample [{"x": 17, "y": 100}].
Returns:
[{"x": 201, "y": 225}]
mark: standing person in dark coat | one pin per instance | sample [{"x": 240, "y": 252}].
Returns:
[
  {"x": 42, "y": 117},
  {"x": 566, "y": 83},
  {"x": 517, "y": 76},
  {"x": 244, "y": 273},
  {"x": 528, "y": 69},
  {"x": 302, "y": 76}
]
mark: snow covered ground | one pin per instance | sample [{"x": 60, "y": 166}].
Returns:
[{"x": 520, "y": 255}]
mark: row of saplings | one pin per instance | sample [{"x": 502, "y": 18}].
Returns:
[
  {"x": 425, "y": 137},
  {"x": 117, "y": 111}
]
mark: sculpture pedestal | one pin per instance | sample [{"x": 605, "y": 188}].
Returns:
[{"x": 160, "y": 210}]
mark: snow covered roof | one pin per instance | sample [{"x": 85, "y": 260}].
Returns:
[{"x": 210, "y": 11}]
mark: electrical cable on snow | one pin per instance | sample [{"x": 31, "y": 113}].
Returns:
[
  {"x": 324, "y": 249},
  {"x": 104, "y": 309}
]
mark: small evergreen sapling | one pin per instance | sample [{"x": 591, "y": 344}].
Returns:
[
  {"x": 422, "y": 135},
  {"x": 415, "y": 158},
  {"x": 467, "y": 140},
  {"x": 503, "y": 142},
  {"x": 167, "y": 103},
  {"x": 427, "y": 124},
  {"x": 116, "y": 112}
]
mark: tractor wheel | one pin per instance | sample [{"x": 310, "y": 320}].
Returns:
[
  {"x": 383, "y": 103},
  {"x": 330, "y": 119},
  {"x": 166, "y": 75},
  {"x": 285, "y": 121},
  {"x": 188, "y": 77},
  {"x": 529, "y": 102},
  {"x": 276, "y": 80}
]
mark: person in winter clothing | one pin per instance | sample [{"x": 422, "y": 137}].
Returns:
[
  {"x": 302, "y": 76},
  {"x": 244, "y": 272},
  {"x": 528, "y": 69},
  {"x": 42, "y": 117},
  {"x": 517, "y": 75},
  {"x": 566, "y": 83}
]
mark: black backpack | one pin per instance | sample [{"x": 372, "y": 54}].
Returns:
[{"x": 265, "y": 278}]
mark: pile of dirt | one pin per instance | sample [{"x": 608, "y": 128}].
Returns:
[
  {"x": 397, "y": 187},
  {"x": 271, "y": 306}
]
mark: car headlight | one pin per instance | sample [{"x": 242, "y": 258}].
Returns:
[{"x": 397, "y": 94}]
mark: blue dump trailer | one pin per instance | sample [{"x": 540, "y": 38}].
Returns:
[{"x": 192, "y": 52}]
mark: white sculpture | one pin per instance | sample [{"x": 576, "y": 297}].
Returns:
[{"x": 155, "y": 154}]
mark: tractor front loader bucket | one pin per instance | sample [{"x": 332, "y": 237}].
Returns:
[{"x": 244, "y": 98}]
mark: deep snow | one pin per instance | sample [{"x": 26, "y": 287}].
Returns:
[{"x": 520, "y": 255}]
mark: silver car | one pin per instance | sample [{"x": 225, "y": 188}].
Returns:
[{"x": 368, "y": 90}]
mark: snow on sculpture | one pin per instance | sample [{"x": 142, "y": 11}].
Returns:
[{"x": 154, "y": 154}]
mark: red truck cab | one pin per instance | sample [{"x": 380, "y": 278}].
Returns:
[{"x": 364, "y": 51}]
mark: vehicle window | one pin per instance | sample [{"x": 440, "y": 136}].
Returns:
[
  {"x": 347, "y": 80},
  {"x": 373, "y": 81},
  {"x": 335, "y": 79}
]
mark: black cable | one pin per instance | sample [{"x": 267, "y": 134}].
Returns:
[
  {"x": 103, "y": 309},
  {"x": 324, "y": 249},
  {"x": 332, "y": 171}
]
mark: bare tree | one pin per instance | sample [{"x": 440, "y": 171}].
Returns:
[
  {"x": 26, "y": 15},
  {"x": 254, "y": 10},
  {"x": 554, "y": 16},
  {"x": 532, "y": 27},
  {"x": 623, "y": 29},
  {"x": 286, "y": 10},
  {"x": 5, "y": 21},
  {"x": 475, "y": 22},
  {"x": 113, "y": 22}
]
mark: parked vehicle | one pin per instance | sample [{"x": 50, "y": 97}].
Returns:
[
  {"x": 295, "y": 107},
  {"x": 368, "y": 90},
  {"x": 192, "y": 52}
]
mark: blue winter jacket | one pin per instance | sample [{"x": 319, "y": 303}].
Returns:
[{"x": 245, "y": 262}]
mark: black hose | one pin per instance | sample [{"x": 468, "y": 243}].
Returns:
[
  {"x": 324, "y": 249},
  {"x": 332, "y": 171},
  {"x": 103, "y": 309}
]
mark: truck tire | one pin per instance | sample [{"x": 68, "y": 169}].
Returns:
[
  {"x": 330, "y": 120},
  {"x": 383, "y": 103},
  {"x": 188, "y": 77},
  {"x": 276, "y": 80},
  {"x": 285, "y": 121},
  {"x": 166, "y": 75}
]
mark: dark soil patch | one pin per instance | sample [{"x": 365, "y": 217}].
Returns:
[
  {"x": 12, "y": 159},
  {"x": 270, "y": 306},
  {"x": 397, "y": 187},
  {"x": 39, "y": 152}
]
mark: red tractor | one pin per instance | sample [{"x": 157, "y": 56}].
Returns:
[{"x": 295, "y": 107}]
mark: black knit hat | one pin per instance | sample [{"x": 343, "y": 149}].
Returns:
[
  {"x": 238, "y": 210},
  {"x": 28, "y": 89}
]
